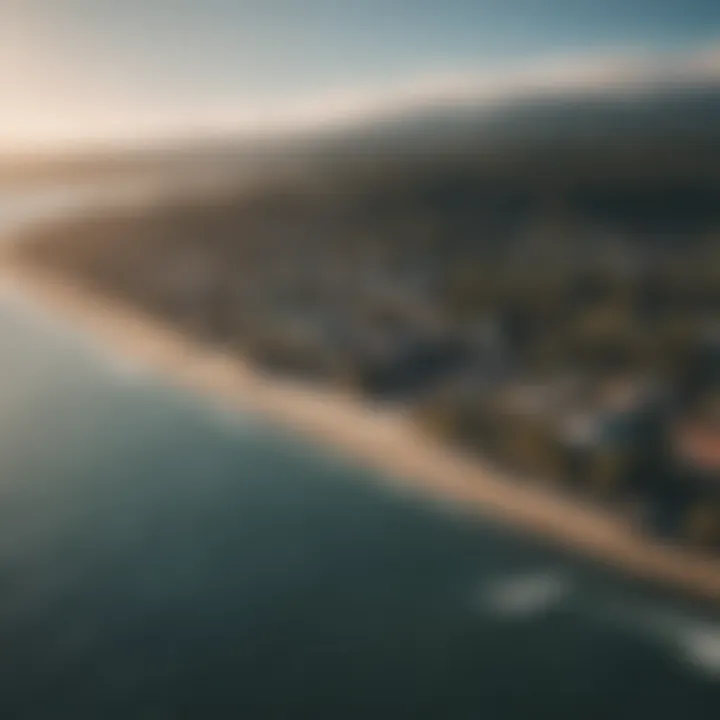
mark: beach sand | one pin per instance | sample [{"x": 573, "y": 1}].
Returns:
[{"x": 382, "y": 440}]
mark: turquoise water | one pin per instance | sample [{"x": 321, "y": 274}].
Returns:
[{"x": 160, "y": 558}]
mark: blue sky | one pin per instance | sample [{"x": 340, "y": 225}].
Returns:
[{"x": 74, "y": 69}]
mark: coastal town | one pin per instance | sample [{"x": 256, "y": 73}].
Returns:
[{"x": 564, "y": 331}]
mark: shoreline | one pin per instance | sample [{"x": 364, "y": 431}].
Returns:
[{"x": 379, "y": 440}]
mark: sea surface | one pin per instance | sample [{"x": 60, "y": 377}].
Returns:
[{"x": 164, "y": 558}]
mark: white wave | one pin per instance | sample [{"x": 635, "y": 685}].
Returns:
[
  {"x": 700, "y": 646},
  {"x": 526, "y": 595},
  {"x": 695, "y": 641}
]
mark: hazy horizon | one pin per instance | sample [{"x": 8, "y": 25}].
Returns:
[{"x": 79, "y": 74}]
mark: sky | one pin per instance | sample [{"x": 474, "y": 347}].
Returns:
[{"x": 93, "y": 71}]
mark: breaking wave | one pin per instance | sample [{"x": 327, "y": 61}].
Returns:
[{"x": 526, "y": 595}]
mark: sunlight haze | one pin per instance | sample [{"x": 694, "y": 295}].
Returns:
[{"x": 82, "y": 72}]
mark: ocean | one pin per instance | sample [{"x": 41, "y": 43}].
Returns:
[{"x": 161, "y": 557}]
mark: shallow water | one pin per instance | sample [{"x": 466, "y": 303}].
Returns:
[{"x": 160, "y": 558}]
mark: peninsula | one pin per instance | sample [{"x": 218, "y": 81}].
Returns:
[{"x": 530, "y": 337}]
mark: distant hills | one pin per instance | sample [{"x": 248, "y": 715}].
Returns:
[{"x": 652, "y": 120}]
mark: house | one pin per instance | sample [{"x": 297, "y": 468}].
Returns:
[
  {"x": 696, "y": 447},
  {"x": 692, "y": 502},
  {"x": 695, "y": 442}
]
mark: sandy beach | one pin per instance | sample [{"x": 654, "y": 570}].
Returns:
[{"x": 381, "y": 440}]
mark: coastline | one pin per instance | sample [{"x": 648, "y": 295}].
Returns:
[{"x": 380, "y": 440}]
